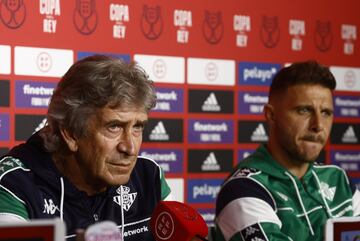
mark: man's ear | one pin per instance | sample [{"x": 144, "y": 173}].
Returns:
[
  {"x": 70, "y": 140},
  {"x": 269, "y": 113}
]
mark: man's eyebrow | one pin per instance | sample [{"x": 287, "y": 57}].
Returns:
[
  {"x": 121, "y": 122},
  {"x": 113, "y": 121},
  {"x": 142, "y": 122},
  {"x": 330, "y": 109},
  {"x": 303, "y": 106}
]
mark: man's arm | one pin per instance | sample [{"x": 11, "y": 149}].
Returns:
[
  {"x": 355, "y": 194},
  {"x": 165, "y": 189},
  {"x": 246, "y": 211},
  {"x": 355, "y": 198},
  {"x": 356, "y": 202},
  {"x": 11, "y": 209}
]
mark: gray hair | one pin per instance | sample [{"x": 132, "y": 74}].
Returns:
[{"x": 89, "y": 85}]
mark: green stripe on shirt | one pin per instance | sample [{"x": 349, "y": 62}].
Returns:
[{"x": 9, "y": 204}]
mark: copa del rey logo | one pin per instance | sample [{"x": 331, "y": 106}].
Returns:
[
  {"x": 183, "y": 21},
  {"x": 125, "y": 199},
  {"x": 49, "y": 9},
  {"x": 12, "y": 13},
  {"x": 242, "y": 25},
  {"x": 119, "y": 14},
  {"x": 296, "y": 30},
  {"x": 349, "y": 35}
]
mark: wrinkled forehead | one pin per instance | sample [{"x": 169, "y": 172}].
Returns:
[
  {"x": 123, "y": 111},
  {"x": 108, "y": 115},
  {"x": 126, "y": 107}
]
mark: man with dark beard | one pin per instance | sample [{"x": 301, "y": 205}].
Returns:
[{"x": 278, "y": 192}]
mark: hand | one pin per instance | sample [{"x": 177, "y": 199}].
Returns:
[{"x": 80, "y": 235}]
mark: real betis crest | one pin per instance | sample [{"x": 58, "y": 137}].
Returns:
[
  {"x": 327, "y": 191},
  {"x": 127, "y": 197}
]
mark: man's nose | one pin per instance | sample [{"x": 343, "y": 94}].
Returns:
[
  {"x": 317, "y": 122},
  {"x": 127, "y": 144}
]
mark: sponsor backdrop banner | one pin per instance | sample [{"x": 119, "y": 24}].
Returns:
[{"x": 212, "y": 63}]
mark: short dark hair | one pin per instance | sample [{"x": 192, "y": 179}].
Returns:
[
  {"x": 89, "y": 85},
  {"x": 308, "y": 72}
]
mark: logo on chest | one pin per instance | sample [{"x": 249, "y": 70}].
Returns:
[
  {"x": 125, "y": 199},
  {"x": 327, "y": 191},
  {"x": 50, "y": 207}
]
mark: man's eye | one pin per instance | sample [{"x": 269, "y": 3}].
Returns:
[
  {"x": 303, "y": 110},
  {"x": 139, "y": 127},
  {"x": 327, "y": 113},
  {"x": 114, "y": 128}
]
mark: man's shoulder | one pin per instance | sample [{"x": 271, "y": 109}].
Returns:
[
  {"x": 256, "y": 160},
  {"x": 328, "y": 170},
  {"x": 147, "y": 161},
  {"x": 16, "y": 177},
  {"x": 147, "y": 164},
  {"x": 332, "y": 175},
  {"x": 244, "y": 172},
  {"x": 146, "y": 169},
  {"x": 9, "y": 164},
  {"x": 249, "y": 167},
  {"x": 244, "y": 184},
  {"x": 242, "y": 178}
]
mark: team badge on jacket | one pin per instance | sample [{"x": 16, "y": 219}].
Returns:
[{"x": 127, "y": 197}]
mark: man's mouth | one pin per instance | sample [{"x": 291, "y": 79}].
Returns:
[
  {"x": 316, "y": 139},
  {"x": 122, "y": 167}
]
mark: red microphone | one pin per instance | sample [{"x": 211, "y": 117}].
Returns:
[{"x": 176, "y": 221}]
